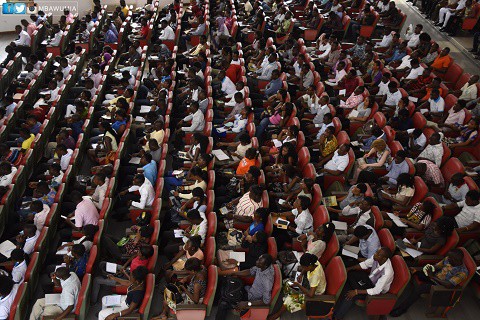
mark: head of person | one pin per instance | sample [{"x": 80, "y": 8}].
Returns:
[
  {"x": 406, "y": 180},
  {"x": 17, "y": 256},
  {"x": 308, "y": 262},
  {"x": 400, "y": 156},
  {"x": 252, "y": 174},
  {"x": 6, "y": 286},
  {"x": 444, "y": 52},
  {"x": 457, "y": 179},
  {"x": 366, "y": 204},
  {"x": 379, "y": 145},
  {"x": 139, "y": 179},
  {"x": 251, "y": 153},
  {"x": 434, "y": 139},
  {"x": 76, "y": 197},
  {"x": 261, "y": 215},
  {"x": 194, "y": 216},
  {"x": 193, "y": 266},
  {"x": 256, "y": 193},
  {"x": 264, "y": 261},
  {"x": 472, "y": 198},
  {"x": 36, "y": 206},
  {"x": 455, "y": 257},
  {"x": 362, "y": 232},
  {"x": 139, "y": 275},
  {"x": 343, "y": 149},
  {"x": 193, "y": 244},
  {"x": 145, "y": 252},
  {"x": 382, "y": 255},
  {"x": 78, "y": 250},
  {"x": 325, "y": 231}
]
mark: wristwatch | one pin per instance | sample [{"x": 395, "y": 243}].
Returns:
[{"x": 249, "y": 304}]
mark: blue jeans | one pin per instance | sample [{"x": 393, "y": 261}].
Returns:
[
  {"x": 172, "y": 182},
  {"x": 262, "y": 127}
]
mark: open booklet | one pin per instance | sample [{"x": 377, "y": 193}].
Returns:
[{"x": 350, "y": 251}]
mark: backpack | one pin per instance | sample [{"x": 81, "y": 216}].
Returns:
[{"x": 232, "y": 290}]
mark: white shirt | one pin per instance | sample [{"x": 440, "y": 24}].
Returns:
[
  {"x": 228, "y": 87},
  {"x": 40, "y": 217},
  {"x": 10, "y": 109},
  {"x": 421, "y": 141},
  {"x": 325, "y": 49},
  {"x": 65, "y": 159},
  {"x": 386, "y": 40},
  {"x": 304, "y": 221},
  {"x": 167, "y": 33},
  {"x": 337, "y": 162},
  {"x": 266, "y": 73},
  {"x": 90, "y": 25},
  {"x": 147, "y": 194},
  {"x": 433, "y": 153},
  {"x": 66, "y": 71},
  {"x": 7, "y": 179},
  {"x": 414, "y": 73},
  {"x": 437, "y": 106},
  {"x": 468, "y": 215},
  {"x": 469, "y": 92},
  {"x": 413, "y": 40},
  {"x": 70, "y": 290},
  {"x": 24, "y": 39},
  {"x": 6, "y": 303},
  {"x": 18, "y": 272},
  {"x": 393, "y": 98},
  {"x": 57, "y": 39},
  {"x": 362, "y": 220},
  {"x": 383, "y": 88},
  {"x": 406, "y": 60},
  {"x": 99, "y": 194},
  {"x": 323, "y": 128},
  {"x": 458, "y": 194},
  {"x": 383, "y": 283},
  {"x": 30, "y": 243},
  {"x": 198, "y": 122},
  {"x": 320, "y": 113},
  {"x": 96, "y": 77}
]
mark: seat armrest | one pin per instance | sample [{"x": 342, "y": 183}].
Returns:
[
  {"x": 259, "y": 307},
  {"x": 68, "y": 317},
  {"x": 384, "y": 296},
  {"x": 339, "y": 193},
  {"x": 132, "y": 316},
  {"x": 199, "y": 306},
  {"x": 322, "y": 298}
]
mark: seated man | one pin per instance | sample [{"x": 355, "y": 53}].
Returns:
[
  {"x": 469, "y": 218},
  {"x": 361, "y": 284},
  {"x": 259, "y": 294},
  {"x": 449, "y": 273},
  {"x": 68, "y": 298}
]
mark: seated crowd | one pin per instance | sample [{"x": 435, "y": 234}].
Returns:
[{"x": 265, "y": 157}]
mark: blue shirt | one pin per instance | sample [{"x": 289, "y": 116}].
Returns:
[
  {"x": 79, "y": 266},
  {"x": 110, "y": 37},
  {"x": 369, "y": 246},
  {"x": 273, "y": 87},
  {"x": 397, "y": 55},
  {"x": 150, "y": 172},
  {"x": 36, "y": 128},
  {"x": 394, "y": 170}
]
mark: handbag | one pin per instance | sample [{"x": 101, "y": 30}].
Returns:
[
  {"x": 172, "y": 295},
  {"x": 234, "y": 237}
]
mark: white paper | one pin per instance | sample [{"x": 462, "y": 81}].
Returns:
[
  {"x": 52, "y": 299},
  {"x": 277, "y": 143},
  {"x": 220, "y": 155},
  {"x": 355, "y": 143},
  {"x": 145, "y": 109},
  {"x": 134, "y": 160},
  {"x": 60, "y": 266},
  {"x": 6, "y": 248},
  {"x": 239, "y": 256},
  {"x": 349, "y": 254},
  {"x": 139, "y": 119},
  {"x": 281, "y": 201},
  {"x": 396, "y": 220},
  {"x": 111, "y": 267},
  {"x": 423, "y": 111},
  {"x": 79, "y": 240},
  {"x": 340, "y": 225},
  {"x": 412, "y": 252},
  {"x": 178, "y": 233},
  {"x": 177, "y": 172},
  {"x": 112, "y": 300},
  {"x": 222, "y": 130},
  {"x": 413, "y": 99},
  {"x": 94, "y": 145},
  {"x": 352, "y": 249},
  {"x": 224, "y": 210},
  {"x": 342, "y": 92},
  {"x": 64, "y": 250},
  {"x": 298, "y": 255}
]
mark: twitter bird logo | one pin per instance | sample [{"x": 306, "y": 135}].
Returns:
[{"x": 20, "y": 8}]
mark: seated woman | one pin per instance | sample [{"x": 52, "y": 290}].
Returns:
[
  {"x": 364, "y": 110},
  {"x": 271, "y": 149},
  {"x": 277, "y": 116},
  {"x": 418, "y": 218},
  {"x": 326, "y": 145},
  {"x": 302, "y": 222},
  {"x": 242, "y": 166},
  {"x": 236, "y": 124},
  {"x": 193, "y": 293},
  {"x": 176, "y": 266},
  {"x": 288, "y": 181},
  {"x": 256, "y": 246},
  {"x": 171, "y": 181},
  {"x": 199, "y": 146},
  {"x": 381, "y": 153},
  {"x": 241, "y": 146},
  {"x": 468, "y": 134},
  {"x": 305, "y": 189},
  {"x": 234, "y": 237},
  {"x": 310, "y": 283},
  {"x": 198, "y": 178},
  {"x": 315, "y": 242},
  {"x": 124, "y": 271},
  {"x": 401, "y": 195},
  {"x": 286, "y": 156},
  {"x": 435, "y": 237},
  {"x": 129, "y": 302},
  {"x": 105, "y": 150},
  {"x": 179, "y": 211}
]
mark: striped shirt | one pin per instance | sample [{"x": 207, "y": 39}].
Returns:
[{"x": 246, "y": 206}]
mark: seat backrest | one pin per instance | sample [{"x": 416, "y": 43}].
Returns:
[
  {"x": 303, "y": 157},
  {"x": 450, "y": 101},
  {"x": 470, "y": 264},
  {"x": 209, "y": 252},
  {"x": 394, "y": 147},
  {"x": 447, "y": 152},
  {"x": 452, "y": 166},
  {"x": 451, "y": 243},
  {"x": 83, "y": 296},
  {"x": 402, "y": 275},
  {"x": 211, "y": 224},
  {"x": 320, "y": 216},
  {"x": 342, "y": 138},
  {"x": 386, "y": 239},
  {"x": 421, "y": 190},
  {"x": 470, "y": 183},
  {"x": 336, "y": 274},
  {"x": 378, "y": 218},
  {"x": 152, "y": 262},
  {"x": 91, "y": 259},
  {"x": 337, "y": 124},
  {"x": 316, "y": 197},
  {"x": 309, "y": 171},
  {"x": 147, "y": 298},
  {"x": 212, "y": 282},
  {"x": 272, "y": 247},
  {"x": 277, "y": 286},
  {"x": 419, "y": 120},
  {"x": 333, "y": 246},
  {"x": 437, "y": 211}
]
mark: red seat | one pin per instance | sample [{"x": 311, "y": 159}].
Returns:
[
  {"x": 316, "y": 197},
  {"x": 386, "y": 239},
  {"x": 19, "y": 307},
  {"x": 201, "y": 311},
  {"x": 419, "y": 120},
  {"x": 337, "y": 124},
  {"x": 343, "y": 138},
  {"x": 451, "y": 167},
  {"x": 309, "y": 171},
  {"x": 272, "y": 247},
  {"x": 421, "y": 190},
  {"x": 395, "y": 146},
  {"x": 333, "y": 246},
  {"x": 209, "y": 251},
  {"x": 450, "y": 101},
  {"x": 377, "y": 217},
  {"x": 303, "y": 158},
  {"x": 320, "y": 216},
  {"x": 211, "y": 224},
  {"x": 366, "y": 31},
  {"x": 452, "y": 75},
  {"x": 91, "y": 259},
  {"x": 382, "y": 304},
  {"x": 336, "y": 274}
]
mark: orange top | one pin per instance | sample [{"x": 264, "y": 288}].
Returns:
[
  {"x": 429, "y": 91},
  {"x": 441, "y": 62},
  {"x": 245, "y": 165}
]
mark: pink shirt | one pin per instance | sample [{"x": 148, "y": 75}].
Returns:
[
  {"x": 31, "y": 28},
  {"x": 70, "y": 18},
  {"x": 86, "y": 213},
  {"x": 276, "y": 118}
]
